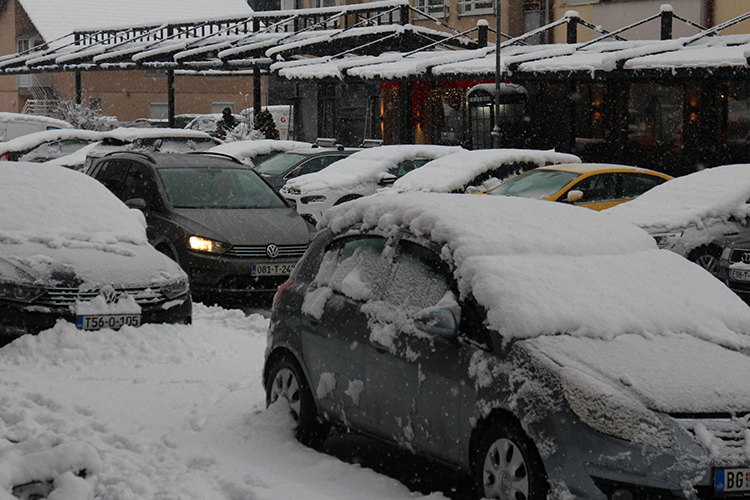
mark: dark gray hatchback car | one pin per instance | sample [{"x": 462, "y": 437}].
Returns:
[
  {"x": 548, "y": 350},
  {"x": 234, "y": 235}
]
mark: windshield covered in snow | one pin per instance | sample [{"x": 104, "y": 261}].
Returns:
[
  {"x": 536, "y": 183},
  {"x": 218, "y": 188}
]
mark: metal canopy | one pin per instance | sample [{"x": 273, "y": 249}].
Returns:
[{"x": 238, "y": 44}]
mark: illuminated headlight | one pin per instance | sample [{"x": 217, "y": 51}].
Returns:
[
  {"x": 175, "y": 289},
  {"x": 663, "y": 240},
  {"x": 613, "y": 413},
  {"x": 312, "y": 199},
  {"x": 200, "y": 244},
  {"x": 20, "y": 293}
]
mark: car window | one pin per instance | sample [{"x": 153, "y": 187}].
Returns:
[
  {"x": 407, "y": 166},
  {"x": 277, "y": 165},
  {"x": 400, "y": 280},
  {"x": 140, "y": 183},
  {"x": 112, "y": 175},
  {"x": 191, "y": 187},
  {"x": 536, "y": 183},
  {"x": 314, "y": 165},
  {"x": 600, "y": 187},
  {"x": 634, "y": 185}
]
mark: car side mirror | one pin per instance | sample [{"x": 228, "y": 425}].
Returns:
[
  {"x": 574, "y": 195},
  {"x": 138, "y": 203},
  {"x": 438, "y": 322},
  {"x": 387, "y": 179}
]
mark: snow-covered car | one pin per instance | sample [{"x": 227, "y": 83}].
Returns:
[
  {"x": 278, "y": 169},
  {"x": 14, "y": 125},
  {"x": 696, "y": 215},
  {"x": 43, "y": 146},
  {"x": 70, "y": 250},
  {"x": 359, "y": 174},
  {"x": 231, "y": 232},
  {"x": 254, "y": 152},
  {"x": 477, "y": 170},
  {"x": 545, "y": 349},
  {"x": 592, "y": 185},
  {"x": 733, "y": 268},
  {"x": 163, "y": 140}
]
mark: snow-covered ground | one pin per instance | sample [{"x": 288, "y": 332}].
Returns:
[{"x": 162, "y": 412}]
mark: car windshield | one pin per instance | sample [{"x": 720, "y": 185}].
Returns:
[
  {"x": 195, "y": 187},
  {"x": 278, "y": 164},
  {"x": 535, "y": 183},
  {"x": 54, "y": 149}
]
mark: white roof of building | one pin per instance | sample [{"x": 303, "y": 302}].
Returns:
[{"x": 71, "y": 15}]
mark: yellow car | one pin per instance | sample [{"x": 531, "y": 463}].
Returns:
[{"x": 592, "y": 185}]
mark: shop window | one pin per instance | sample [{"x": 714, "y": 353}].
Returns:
[
  {"x": 738, "y": 113},
  {"x": 655, "y": 125}
]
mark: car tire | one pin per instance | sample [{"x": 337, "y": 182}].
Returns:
[
  {"x": 286, "y": 380},
  {"x": 707, "y": 257},
  {"x": 508, "y": 465}
]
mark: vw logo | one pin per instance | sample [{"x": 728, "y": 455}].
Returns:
[
  {"x": 746, "y": 257},
  {"x": 109, "y": 294},
  {"x": 272, "y": 251}
]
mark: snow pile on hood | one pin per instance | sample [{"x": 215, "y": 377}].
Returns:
[
  {"x": 542, "y": 268},
  {"x": 85, "y": 212},
  {"x": 455, "y": 172},
  {"x": 249, "y": 149},
  {"x": 719, "y": 192},
  {"x": 366, "y": 166}
]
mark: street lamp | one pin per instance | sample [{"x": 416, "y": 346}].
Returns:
[{"x": 496, "y": 129}]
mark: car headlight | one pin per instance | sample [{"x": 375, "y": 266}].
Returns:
[
  {"x": 20, "y": 293},
  {"x": 200, "y": 244},
  {"x": 663, "y": 240},
  {"x": 312, "y": 199},
  {"x": 175, "y": 289},
  {"x": 611, "y": 412}
]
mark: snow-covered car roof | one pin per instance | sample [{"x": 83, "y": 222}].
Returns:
[
  {"x": 542, "y": 268},
  {"x": 244, "y": 150},
  {"x": 32, "y": 140},
  {"x": 718, "y": 192},
  {"x": 129, "y": 134},
  {"x": 455, "y": 172},
  {"x": 7, "y": 117},
  {"x": 366, "y": 166}
]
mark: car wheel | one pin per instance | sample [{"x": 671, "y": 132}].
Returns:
[
  {"x": 707, "y": 257},
  {"x": 508, "y": 465},
  {"x": 285, "y": 380}
]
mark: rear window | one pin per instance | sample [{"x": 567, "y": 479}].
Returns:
[{"x": 536, "y": 183}]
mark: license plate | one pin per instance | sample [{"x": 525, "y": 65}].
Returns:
[
  {"x": 739, "y": 275},
  {"x": 113, "y": 321},
  {"x": 272, "y": 269},
  {"x": 727, "y": 480}
]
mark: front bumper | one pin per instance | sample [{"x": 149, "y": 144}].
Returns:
[{"x": 18, "y": 319}]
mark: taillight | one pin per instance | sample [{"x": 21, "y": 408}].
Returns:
[
  {"x": 281, "y": 289},
  {"x": 4, "y": 157}
]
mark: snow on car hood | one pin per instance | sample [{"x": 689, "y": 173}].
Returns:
[
  {"x": 85, "y": 213},
  {"x": 542, "y": 268},
  {"x": 365, "y": 167},
  {"x": 87, "y": 268},
  {"x": 57, "y": 222},
  {"x": 718, "y": 192},
  {"x": 252, "y": 226},
  {"x": 672, "y": 373},
  {"x": 448, "y": 174}
]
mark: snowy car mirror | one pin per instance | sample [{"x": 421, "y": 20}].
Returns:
[
  {"x": 574, "y": 195},
  {"x": 439, "y": 322}
]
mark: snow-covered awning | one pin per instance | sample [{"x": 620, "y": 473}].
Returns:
[
  {"x": 375, "y": 41},
  {"x": 240, "y": 43}
]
